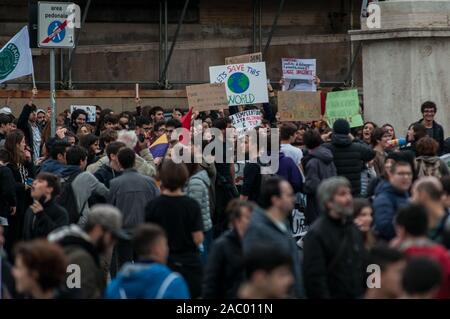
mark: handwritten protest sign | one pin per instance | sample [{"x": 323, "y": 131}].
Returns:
[
  {"x": 246, "y": 58},
  {"x": 298, "y": 74},
  {"x": 206, "y": 97},
  {"x": 343, "y": 105},
  {"x": 299, "y": 106},
  {"x": 245, "y": 83},
  {"x": 246, "y": 121},
  {"x": 91, "y": 110}
]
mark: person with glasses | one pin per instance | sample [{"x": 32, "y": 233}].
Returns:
[
  {"x": 433, "y": 129},
  {"x": 390, "y": 196}
]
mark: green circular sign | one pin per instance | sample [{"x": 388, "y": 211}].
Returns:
[{"x": 9, "y": 58}]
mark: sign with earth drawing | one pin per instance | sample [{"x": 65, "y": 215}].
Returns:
[{"x": 245, "y": 83}]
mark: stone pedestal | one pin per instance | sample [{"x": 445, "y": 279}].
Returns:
[{"x": 407, "y": 62}]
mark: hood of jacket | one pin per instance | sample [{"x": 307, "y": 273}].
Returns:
[
  {"x": 70, "y": 170},
  {"x": 203, "y": 176},
  {"x": 432, "y": 160},
  {"x": 322, "y": 153},
  {"x": 340, "y": 140}
]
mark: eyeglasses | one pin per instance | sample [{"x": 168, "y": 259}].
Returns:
[{"x": 404, "y": 174}]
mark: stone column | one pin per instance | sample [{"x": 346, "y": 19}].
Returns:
[{"x": 406, "y": 62}]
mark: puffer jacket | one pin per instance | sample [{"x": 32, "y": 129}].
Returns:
[
  {"x": 318, "y": 164},
  {"x": 349, "y": 158},
  {"x": 198, "y": 189}
]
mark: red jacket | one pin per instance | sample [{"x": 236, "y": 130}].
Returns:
[{"x": 439, "y": 254}]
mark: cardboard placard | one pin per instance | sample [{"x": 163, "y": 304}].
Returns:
[
  {"x": 299, "y": 106},
  {"x": 246, "y": 58},
  {"x": 246, "y": 83},
  {"x": 299, "y": 74},
  {"x": 207, "y": 97}
]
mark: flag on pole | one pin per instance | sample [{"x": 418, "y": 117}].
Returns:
[
  {"x": 186, "y": 123},
  {"x": 15, "y": 57}
]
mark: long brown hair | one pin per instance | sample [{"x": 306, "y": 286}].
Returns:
[{"x": 13, "y": 139}]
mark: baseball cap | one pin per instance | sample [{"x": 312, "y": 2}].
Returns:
[
  {"x": 108, "y": 217},
  {"x": 5, "y": 110}
]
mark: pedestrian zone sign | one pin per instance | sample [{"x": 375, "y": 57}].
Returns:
[{"x": 56, "y": 24}]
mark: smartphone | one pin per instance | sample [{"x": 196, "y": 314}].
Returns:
[{"x": 141, "y": 138}]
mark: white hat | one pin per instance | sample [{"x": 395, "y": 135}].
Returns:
[{"x": 5, "y": 110}]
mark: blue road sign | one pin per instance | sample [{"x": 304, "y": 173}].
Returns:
[{"x": 52, "y": 27}]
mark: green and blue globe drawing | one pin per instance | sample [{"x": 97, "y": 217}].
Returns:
[{"x": 238, "y": 83}]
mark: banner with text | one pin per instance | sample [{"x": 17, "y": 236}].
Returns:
[
  {"x": 207, "y": 97},
  {"x": 245, "y": 83},
  {"x": 246, "y": 121},
  {"x": 343, "y": 105},
  {"x": 299, "y": 106}
]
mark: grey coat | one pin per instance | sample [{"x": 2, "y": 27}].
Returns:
[
  {"x": 198, "y": 189},
  {"x": 130, "y": 192},
  {"x": 263, "y": 230}
]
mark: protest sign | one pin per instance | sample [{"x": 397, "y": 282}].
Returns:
[
  {"x": 299, "y": 74},
  {"x": 299, "y": 106},
  {"x": 206, "y": 97},
  {"x": 343, "y": 105},
  {"x": 246, "y": 121},
  {"x": 246, "y": 58},
  {"x": 91, "y": 110},
  {"x": 245, "y": 83}
]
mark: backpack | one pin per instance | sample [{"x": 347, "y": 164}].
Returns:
[
  {"x": 68, "y": 200},
  {"x": 428, "y": 169}
]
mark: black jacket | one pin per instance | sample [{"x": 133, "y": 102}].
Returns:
[
  {"x": 22, "y": 124},
  {"x": 41, "y": 224},
  {"x": 7, "y": 191},
  {"x": 224, "y": 271},
  {"x": 318, "y": 165},
  {"x": 437, "y": 135},
  {"x": 334, "y": 260},
  {"x": 105, "y": 174},
  {"x": 349, "y": 158}
]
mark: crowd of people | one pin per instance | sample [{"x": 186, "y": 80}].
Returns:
[{"x": 96, "y": 201}]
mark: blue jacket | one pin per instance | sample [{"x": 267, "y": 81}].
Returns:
[
  {"x": 290, "y": 171},
  {"x": 147, "y": 280},
  {"x": 385, "y": 205},
  {"x": 55, "y": 167}
]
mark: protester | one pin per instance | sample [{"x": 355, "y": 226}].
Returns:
[
  {"x": 106, "y": 137},
  {"x": 428, "y": 162},
  {"x": 8, "y": 199},
  {"x": 44, "y": 215},
  {"x": 85, "y": 129},
  {"x": 269, "y": 273},
  {"x": 224, "y": 271},
  {"x": 433, "y": 129},
  {"x": 197, "y": 188},
  {"x": 268, "y": 225},
  {"x": 57, "y": 163},
  {"x": 83, "y": 184},
  {"x": 5, "y": 127},
  {"x": 22, "y": 169},
  {"x": 90, "y": 142},
  {"x": 290, "y": 171},
  {"x": 318, "y": 166},
  {"x": 367, "y": 132},
  {"x": 363, "y": 219},
  {"x": 144, "y": 160},
  {"x": 415, "y": 132},
  {"x": 348, "y": 157},
  {"x": 39, "y": 270},
  {"x": 148, "y": 277},
  {"x": 288, "y": 132},
  {"x": 77, "y": 119},
  {"x": 380, "y": 143},
  {"x": 27, "y": 123},
  {"x": 428, "y": 191},
  {"x": 252, "y": 179},
  {"x": 130, "y": 193},
  {"x": 391, "y": 263},
  {"x": 390, "y": 131},
  {"x": 112, "y": 169},
  {"x": 422, "y": 278},
  {"x": 334, "y": 254},
  {"x": 411, "y": 225},
  {"x": 85, "y": 246},
  {"x": 180, "y": 216},
  {"x": 156, "y": 114},
  {"x": 390, "y": 196}
]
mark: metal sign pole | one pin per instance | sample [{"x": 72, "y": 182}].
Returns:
[{"x": 52, "y": 91}]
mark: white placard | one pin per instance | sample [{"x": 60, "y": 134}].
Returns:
[
  {"x": 246, "y": 121},
  {"x": 246, "y": 83},
  {"x": 299, "y": 74}
]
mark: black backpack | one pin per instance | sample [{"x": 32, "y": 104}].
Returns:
[{"x": 68, "y": 200}]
